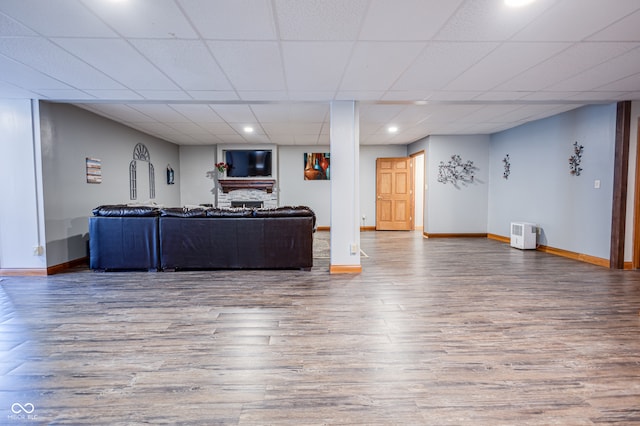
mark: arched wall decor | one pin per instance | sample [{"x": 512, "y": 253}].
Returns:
[{"x": 141, "y": 153}]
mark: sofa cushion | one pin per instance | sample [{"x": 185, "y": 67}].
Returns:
[
  {"x": 183, "y": 212},
  {"x": 122, "y": 210},
  {"x": 231, "y": 212}
]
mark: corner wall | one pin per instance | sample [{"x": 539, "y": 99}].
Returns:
[
  {"x": 572, "y": 214},
  {"x": 450, "y": 209}
]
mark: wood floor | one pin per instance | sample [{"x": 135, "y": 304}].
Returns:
[{"x": 433, "y": 332}]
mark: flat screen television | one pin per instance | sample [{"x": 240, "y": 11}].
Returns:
[{"x": 248, "y": 163}]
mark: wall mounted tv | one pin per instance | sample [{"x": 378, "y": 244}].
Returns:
[{"x": 248, "y": 162}]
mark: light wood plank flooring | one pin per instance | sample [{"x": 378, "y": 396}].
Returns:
[{"x": 433, "y": 332}]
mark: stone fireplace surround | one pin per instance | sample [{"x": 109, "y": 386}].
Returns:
[{"x": 249, "y": 191}]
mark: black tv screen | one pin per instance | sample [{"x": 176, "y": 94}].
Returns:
[{"x": 248, "y": 163}]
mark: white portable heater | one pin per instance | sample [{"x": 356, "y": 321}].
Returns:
[{"x": 523, "y": 235}]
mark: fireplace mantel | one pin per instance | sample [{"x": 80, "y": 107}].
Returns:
[{"x": 228, "y": 185}]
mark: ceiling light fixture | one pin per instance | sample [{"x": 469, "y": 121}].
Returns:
[
  {"x": 248, "y": 129},
  {"x": 392, "y": 129},
  {"x": 517, "y": 3}
]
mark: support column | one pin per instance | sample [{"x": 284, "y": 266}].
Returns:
[{"x": 345, "y": 187}]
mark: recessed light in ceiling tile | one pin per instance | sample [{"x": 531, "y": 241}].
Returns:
[
  {"x": 517, "y": 3},
  {"x": 248, "y": 129},
  {"x": 392, "y": 129}
]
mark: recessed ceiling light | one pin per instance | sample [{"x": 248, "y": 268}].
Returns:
[
  {"x": 392, "y": 129},
  {"x": 517, "y": 3},
  {"x": 248, "y": 129}
]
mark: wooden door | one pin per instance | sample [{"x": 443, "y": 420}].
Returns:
[{"x": 394, "y": 206}]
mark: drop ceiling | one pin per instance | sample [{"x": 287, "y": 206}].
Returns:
[{"x": 197, "y": 72}]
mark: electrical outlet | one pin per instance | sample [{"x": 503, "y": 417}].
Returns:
[
  {"x": 38, "y": 250},
  {"x": 354, "y": 248}
]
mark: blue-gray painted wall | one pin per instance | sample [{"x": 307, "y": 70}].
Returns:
[{"x": 572, "y": 214}]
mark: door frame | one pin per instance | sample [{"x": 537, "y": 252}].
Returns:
[{"x": 414, "y": 159}]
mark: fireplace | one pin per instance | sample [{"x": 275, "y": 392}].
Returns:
[{"x": 247, "y": 203}]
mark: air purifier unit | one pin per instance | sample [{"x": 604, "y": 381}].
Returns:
[{"x": 523, "y": 235}]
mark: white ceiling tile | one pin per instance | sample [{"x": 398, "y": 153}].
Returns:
[
  {"x": 12, "y": 28},
  {"x": 164, "y": 95},
  {"x": 271, "y": 113},
  {"x": 115, "y": 95},
  {"x": 63, "y": 94},
  {"x": 406, "y": 95},
  {"x": 488, "y": 20},
  {"x": 231, "y": 139},
  {"x": 490, "y": 113},
  {"x": 282, "y": 139},
  {"x": 235, "y": 113},
  {"x": 441, "y": 95},
  {"x": 406, "y": 19},
  {"x": 263, "y": 95},
  {"x": 250, "y": 65},
  {"x": 320, "y": 19},
  {"x": 599, "y": 96},
  {"x": 504, "y": 63},
  {"x": 624, "y": 84},
  {"x": 625, "y": 29},
  {"x": 566, "y": 64},
  {"x": 160, "y": 112},
  {"x": 305, "y": 64},
  {"x": 545, "y": 95},
  {"x": 377, "y": 65},
  {"x": 239, "y": 128},
  {"x": 311, "y": 95},
  {"x": 55, "y": 62},
  {"x": 144, "y": 19},
  {"x": 306, "y": 139},
  {"x": 231, "y": 19},
  {"x": 612, "y": 70},
  {"x": 380, "y": 113},
  {"x": 197, "y": 112},
  {"x": 61, "y": 18},
  {"x": 24, "y": 76},
  {"x": 292, "y": 128},
  {"x": 412, "y": 114},
  {"x": 187, "y": 62},
  {"x": 495, "y": 95},
  {"x": 188, "y": 128},
  {"x": 220, "y": 129},
  {"x": 9, "y": 91},
  {"x": 213, "y": 95},
  {"x": 256, "y": 138},
  {"x": 131, "y": 69},
  {"x": 120, "y": 112},
  {"x": 361, "y": 95},
  {"x": 594, "y": 15},
  {"x": 441, "y": 62}
]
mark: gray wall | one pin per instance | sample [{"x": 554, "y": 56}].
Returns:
[
  {"x": 196, "y": 185},
  {"x": 448, "y": 208},
  {"x": 69, "y": 135},
  {"x": 573, "y": 214},
  {"x": 368, "y": 156},
  {"x": 294, "y": 190}
]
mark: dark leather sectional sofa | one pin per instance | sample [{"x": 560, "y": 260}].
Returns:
[{"x": 148, "y": 238}]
